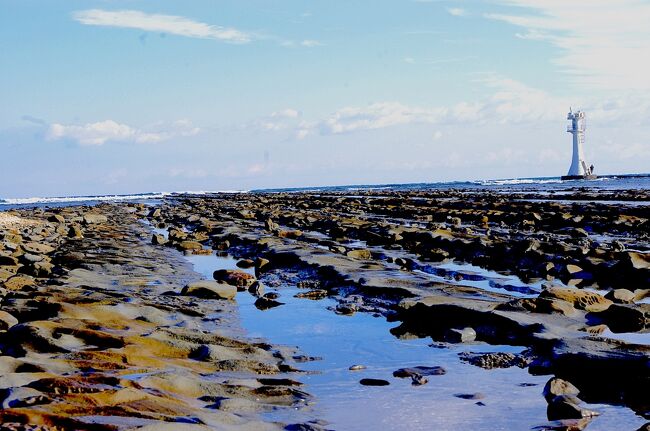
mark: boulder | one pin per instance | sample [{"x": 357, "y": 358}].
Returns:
[
  {"x": 359, "y": 254},
  {"x": 639, "y": 260},
  {"x": 290, "y": 234},
  {"x": 234, "y": 277},
  {"x": 8, "y": 260},
  {"x": 92, "y": 218},
  {"x": 567, "y": 407},
  {"x": 158, "y": 239},
  {"x": 374, "y": 382},
  {"x": 7, "y": 320},
  {"x": 37, "y": 248},
  {"x": 75, "y": 232},
  {"x": 556, "y": 386},
  {"x": 625, "y": 317},
  {"x": 621, "y": 296},
  {"x": 245, "y": 263},
  {"x": 190, "y": 245},
  {"x": 56, "y": 218},
  {"x": 581, "y": 299},
  {"x": 464, "y": 335},
  {"x": 210, "y": 289}
]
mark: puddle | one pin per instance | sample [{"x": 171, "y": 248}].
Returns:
[
  {"x": 512, "y": 397},
  {"x": 628, "y": 337},
  {"x": 474, "y": 276}
]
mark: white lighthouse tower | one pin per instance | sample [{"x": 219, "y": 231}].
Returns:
[{"x": 579, "y": 169}]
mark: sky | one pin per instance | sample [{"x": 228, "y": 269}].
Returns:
[{"x": 130, "y": 96}]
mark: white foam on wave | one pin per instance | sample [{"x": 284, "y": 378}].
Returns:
[
  {"x": 107, "y": 198},
  {"x": 516, "y": 181}
]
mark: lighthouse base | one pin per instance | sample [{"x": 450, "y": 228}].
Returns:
[{"x": 578, "y": 177}]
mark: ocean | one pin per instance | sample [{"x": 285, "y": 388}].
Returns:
[{"x": 541, "y": 185}]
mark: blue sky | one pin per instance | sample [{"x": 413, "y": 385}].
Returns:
[{"x": 135, "y": 96}]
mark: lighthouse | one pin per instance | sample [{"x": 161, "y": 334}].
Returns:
[{"x": 579, "y": 169}]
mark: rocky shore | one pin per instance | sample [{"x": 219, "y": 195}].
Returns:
[
  {"x": 104, "y": 324},
  {"x": 95, "y": 334}
]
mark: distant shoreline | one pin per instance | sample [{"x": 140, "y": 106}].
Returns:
[{"x": 6, "y": 203}]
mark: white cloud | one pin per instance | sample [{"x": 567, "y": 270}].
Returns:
[
  {"x": 377, "y": 116},
  {"x": 603, "y": 44},
  {"x": 456, "y": 11},
  {"x": 171, "y": 24},
  {"x": 276, "y": 121},
  {"x": 511, "y": 102},
  {"x": 286, "y": 113},
  {"x": 99, "y": 133},
  {"x": 310, "y": 43}
]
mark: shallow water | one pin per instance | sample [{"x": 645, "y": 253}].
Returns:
[{"x": 512, "y": 397}]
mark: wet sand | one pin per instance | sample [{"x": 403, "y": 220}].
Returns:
[{"x": 106, "y": 327}]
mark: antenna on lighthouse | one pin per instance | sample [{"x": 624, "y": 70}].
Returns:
[{"x": 577, "y": 127}]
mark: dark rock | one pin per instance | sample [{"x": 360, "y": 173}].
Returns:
[
  {"x": 556, "y": 386},
  {"x": 158, "y": 239},
  {"x": 210, "y": 289},
  {"x": 465, "y": 335},
  {"x": 245, "y": 263},
  {"x": 419, "y": 371},
  {"x": 264, "y": 303},
  {"x": 625, "y": 317},
  {"x": 566, "y": 407},
  {"x": 374, "y": 382},
  {"x": 476, "y": 396}
]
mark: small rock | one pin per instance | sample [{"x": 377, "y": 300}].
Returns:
[
  {"x": 315, "y": 294},
  {"x": 256, "y": 289},
  {"x": 621, "y": 296},
  {"x": 158, "y": 239},
  {"x": 245, "y": 263},
  {"x": 374, "y": 382},
  {"x": 290, "y": 234},
  {"x": 92, "y": 218},
  {"x": 56, "y": 218},
  {"x": 346, "y": 309},
  {"x": 75, "y": 232},
  {"x": 566, "y": 407},
  {"x": 264, "y": 303},
  {"x": 210, "y": 289},
  {"x": 7, "y": 320},
  {"x": 359, "y": 254},
  {"x": 190, "y": 245},
  {"x": 419, "y": 371},
  {"x": 557, "y": 386},
  {"x": 476, "y": 396},
  {"x": 234, "y": 277},
  {"x": 419, "y": 380},
  {"x": 465, "y": 335}
]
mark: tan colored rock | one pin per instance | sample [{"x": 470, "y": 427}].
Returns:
[
  {"x": 92, "y": 218},
  {"x": 620, "y": 296},
  {"x": 190, "y": 245},
  {"x": 7, "y": 320},
  {"x": 290, "y": 234},
  {"x": 359, "y": 254},
  {"x": 234, "y": 277},
  {"x": 581, "y": 299},
  {"x": 639, "y": 260},
  {"x": 210, "y": 289}
]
